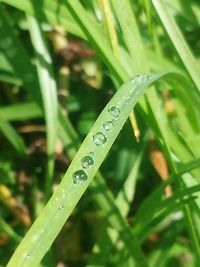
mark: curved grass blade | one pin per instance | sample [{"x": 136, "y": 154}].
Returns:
[
  {"x": 77, "y": 178},
  {"x": 105, "y": 200}
]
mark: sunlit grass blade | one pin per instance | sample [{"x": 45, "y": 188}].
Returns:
[
  {"x": 131, "y": 34},
  {"x": 95, "y": 37},
  {"x": 49, "y": 95},
  {"x": 77, "y": 179},
  {"x": 178, "y": 41}
]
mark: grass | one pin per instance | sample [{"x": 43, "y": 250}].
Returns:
[{"x": 63, "y": 82}]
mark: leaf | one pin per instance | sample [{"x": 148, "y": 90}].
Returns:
[{"x": 77, "y": 179}]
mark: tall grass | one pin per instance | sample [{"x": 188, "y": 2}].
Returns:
[{"x": 146, "y": 197}]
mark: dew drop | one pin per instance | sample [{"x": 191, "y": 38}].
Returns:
[
  {"x": 127, "y": 99},
  {"x": 79, "y": 177},
  {"x": 27, "y": 257},
  {"x": 114, "y": 111},
  {"x": 87, "y": 162},
  {"x": 149, "y": 77},
  {"x": 61, "y": 207},
  {"x": 99, "y": 139},
  {"x": 91, "y": 154},
  {"x": 108, "y": 125},
  {"x": 137, "y": 79}
]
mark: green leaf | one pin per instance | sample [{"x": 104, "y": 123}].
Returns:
[{"x": 77, "y": 179}]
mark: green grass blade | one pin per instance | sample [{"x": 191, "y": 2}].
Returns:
[
  {"x": 15, "y": 53},
  {"x": 178, "y": 41},
  {"x": 103, "y": 196},
  {"x": 13, "y": 137},
  {"x": 94, "y": 35},
  {"x": 122, "y": 203},
  {"x": 131, "y": 34},
  {"x": 7, "y": 229},
  {"x": 49, "y": 95},
  {"x": 76, "y": 180},
  {"x": 21, "y": 111}
]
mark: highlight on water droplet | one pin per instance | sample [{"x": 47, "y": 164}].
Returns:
[
  {"x": 61, "y": 207},
  {"x": 149, "y": 77},
  {"x": 99, "y": 139},
  {"x": 108, "y": 125},
  {"x": 79, "y": 177},
  {"x": 137, "y": 79},
  {"x": 87, "y": 162},
  {"x": 127, "y": 99},
  {"x": 27, "y": 256},
  {"x": 114, "y": 111}
]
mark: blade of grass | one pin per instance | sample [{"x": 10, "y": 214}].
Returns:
[
  {"x": 41, "y": 235},
  {"x": 178, "y": 41},
  {"x": 21, "y": 111},
  {"x": 13, "y": 137},
  {"x": 122, "y": 203},
  {"x": 95, "y": 37},
  {"x": 7, "y": 229},
  {"x": 15, "y": 53},
  {"x": 49, "y": 96},
  {"x": 131, "y": 34}
]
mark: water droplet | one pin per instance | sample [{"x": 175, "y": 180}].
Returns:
[
  {"x": 137, "y": 79},
  {"x": 114, "y": 111},
  {"x": 91, "y": 154},
  {"x": 87, "y": 162},
  {"x": 99, "y": 139},
  {"x": 149, "y": 77},
  {"x": 108, "y": 125},
  {"x": 61, "y": 207},
  {"x": 79, "y": 177},
  {"x": 127, "y": 99},
  {"x": 27, "y": 257}
]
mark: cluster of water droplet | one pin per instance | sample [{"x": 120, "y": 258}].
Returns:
[
  {"x": 140, "y": 78},
  {"x": 100, "y": 138},
  {"x": 80, "y": 176},
  {"x": 27, "y": 257}
]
